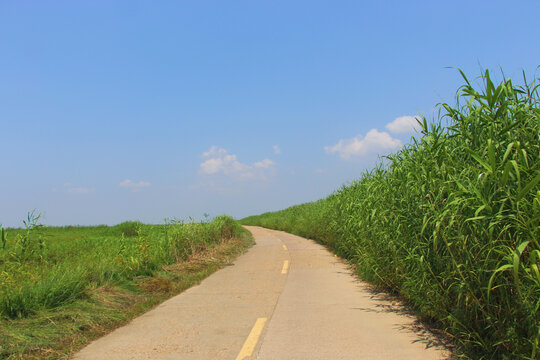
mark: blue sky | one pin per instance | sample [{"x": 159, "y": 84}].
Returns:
[{"x": 123, "y": 110}]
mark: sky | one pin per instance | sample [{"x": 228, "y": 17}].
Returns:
[{"x": 145, "y": 110}]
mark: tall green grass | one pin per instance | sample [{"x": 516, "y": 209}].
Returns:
[
  {"x": 451, "y": 221},
  {"x": 45, "y": 267}
]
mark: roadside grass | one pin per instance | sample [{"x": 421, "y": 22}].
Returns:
[
  {"x": 451, "y": 222},
  {"x": 87, "y": 281}
]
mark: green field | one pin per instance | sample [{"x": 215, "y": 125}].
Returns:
[
  {"x": 63, "y": 286},
  {"x": 451, "y": 222}
]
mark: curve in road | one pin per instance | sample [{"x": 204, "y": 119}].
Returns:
[{"x": 286, "y": 298}]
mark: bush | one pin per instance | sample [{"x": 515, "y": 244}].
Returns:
[{"x": 127, "y": 228}]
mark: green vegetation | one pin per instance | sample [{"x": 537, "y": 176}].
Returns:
[
  {"x": 451, "y": 222},
  {"x": 60, "y": 287}
]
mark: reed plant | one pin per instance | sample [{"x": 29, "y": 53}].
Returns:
[{"x": 451, "y": 221}]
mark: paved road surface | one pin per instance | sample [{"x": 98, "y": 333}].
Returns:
[{"x": 286, "y": 298}]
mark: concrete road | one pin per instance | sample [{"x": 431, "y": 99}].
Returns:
[{"x": 286, "y": 298}]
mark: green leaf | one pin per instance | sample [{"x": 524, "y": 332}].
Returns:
[
  {"x": 479, "y": 210},
  {"x": 475, "y": 218},
  {"x": 479, "y": 159},
  {"x": 506, "y": 173},
  {"x": 491, "y": 155},
  {"x": 536, "y": 272},
  {"x": 492, "y": 278},
  {"x": 528, "y": 187},
  {"x": 516, "y": 168}
]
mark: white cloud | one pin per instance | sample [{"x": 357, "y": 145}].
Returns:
[
  {"x": 227, "y": 164},
  {"x": 72, "y": 189},
  {"x": 375, "y": 142},
  {"x": 134, "y": 186},
  {"x": 404, "y": 125},
  {"x": 219, "y": 161},
  {"x": 214, "y": 151},
  {"x": 265, "y": 164},
  {"x": 277, "y": 150},
  {"x": 80, "y": 190}
]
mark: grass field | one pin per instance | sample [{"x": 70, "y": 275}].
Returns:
[
  {"x": 60, "y": 287},
  {"x": 451, "y": 222}
]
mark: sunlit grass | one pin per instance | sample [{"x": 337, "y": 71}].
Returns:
[
  {"x": 60, "y": 287},
  {"x": 42, "y": 267}
]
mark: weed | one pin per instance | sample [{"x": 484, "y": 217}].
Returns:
[{"x": 3, "y": 237}]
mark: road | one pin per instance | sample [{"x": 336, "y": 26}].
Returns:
[{"x": 286, "y": 298}]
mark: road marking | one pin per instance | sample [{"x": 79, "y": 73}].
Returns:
[
  {"x": 252, "y": 339},
  {"x": 285, "y": 267},
  {"x": 285, "y": 247}
]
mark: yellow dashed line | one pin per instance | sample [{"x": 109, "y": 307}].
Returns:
[
  {"x": 252, "y": 339},
  {"x": 285, "y": 267},
  {"x": 285, "y": 247}
]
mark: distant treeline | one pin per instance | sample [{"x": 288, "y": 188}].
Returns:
[{"x": 451, "y": 222}]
